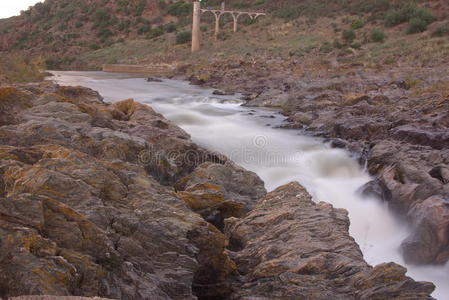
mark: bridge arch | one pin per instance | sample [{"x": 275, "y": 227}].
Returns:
[
  {"x": 197, "y": 11},
  {"x": 235, "y": 16}
]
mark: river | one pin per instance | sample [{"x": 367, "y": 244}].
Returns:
[{"x": 250, "y": 137}]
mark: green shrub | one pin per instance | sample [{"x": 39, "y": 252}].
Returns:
[
  {"x": 337, "y": 44},
  {"x": 394, "y": 18},
  {"x": 146, "y": 28},
  {"x": 124, "y": 25},
  {"x": 377, "y": 36},
  {"x": 411, "y": 82},
  {"x": 94, "y": 46},
  {"x": 240, "y": 5},
  {"x": 424, "y": 15},
  {"x": 357, "y": 24},
  {"x": 406, "y": 13},
  {"x": 222, "y": 36},
  {"x": 356, "y": 45},
  {"x": 248, "y": 21},
  {"x": 416, "y": 25},
  {"x": 155, "y": 32},
  {"x": 442, "y": 30},
  {"x": 170, "y": 27},
  {"x": 140, "y": 8},
  {"x": 104, "y": 33},
  {"x": 183, "y": 37},
  {"x": 179, "y": 9},
  {"x": 348, "y": 35}
]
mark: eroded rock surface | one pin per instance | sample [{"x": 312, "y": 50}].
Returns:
[
  {"x": 86, "y": 206},
  {"x": 220, "y": 191},
  {"x": 289, "y": 247}
]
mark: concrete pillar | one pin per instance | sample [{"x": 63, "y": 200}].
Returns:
[
  {"x": 236, "y": 20},
  {"x": 196, "y": 26},
  {"x": 217, "y": 25}
]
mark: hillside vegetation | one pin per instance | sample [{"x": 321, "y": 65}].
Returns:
[{"x": 84, "y": 34}]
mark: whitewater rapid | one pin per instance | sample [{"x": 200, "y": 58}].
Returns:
[{"x": 250, "y": 138}]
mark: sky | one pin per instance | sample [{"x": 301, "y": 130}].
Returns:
[{"x": 9, "y": 8}]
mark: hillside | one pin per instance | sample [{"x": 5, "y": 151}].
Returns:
[
  {"x": 83, "y": 34},
  {"x": 63, "y": 28}
]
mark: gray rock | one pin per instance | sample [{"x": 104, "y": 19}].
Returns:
[{"x": 289, "y": 247}]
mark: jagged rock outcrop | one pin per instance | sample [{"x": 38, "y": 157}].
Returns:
[
  {"x": 289, "y": 247},
  {"x": 83, "y": 210},
  {"x": 220, "y": 191},
  {"x": 428, "y": 242}
]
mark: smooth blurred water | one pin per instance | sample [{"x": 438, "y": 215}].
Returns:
[{"x": 249, "y": 137}]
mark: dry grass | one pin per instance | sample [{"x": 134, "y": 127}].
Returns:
[
  {"x": 311, "y": 43},
  {"x": 15, "y": 68}
]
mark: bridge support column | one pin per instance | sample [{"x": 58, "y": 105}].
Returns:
[
  {"x": 196, "y": 26},
  {"x": 217, "y": 25},
  {"x": 236, "y": 20}
]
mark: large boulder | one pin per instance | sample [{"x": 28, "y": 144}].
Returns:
[
  {"x": 219, "y": 191},
  {"x": 289, "y": 247},
  {"x": 429, "y": 240},
  {"x": 438, "y": 139}
]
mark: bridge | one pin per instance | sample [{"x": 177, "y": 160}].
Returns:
[{"x": 197, "y": 11}]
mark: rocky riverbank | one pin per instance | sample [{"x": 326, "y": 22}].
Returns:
[
  {"x": 113, "y": 200},
  {"x": 396, "y": 121}
]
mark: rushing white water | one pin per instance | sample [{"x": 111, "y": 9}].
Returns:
[{"x": 278, "y": 156}]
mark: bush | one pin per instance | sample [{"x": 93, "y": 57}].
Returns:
[
  {"x": 170, "y": 27},
  {"x": 377, "y": 36},
  {"x": 240, "y": 5},
  {"x": 124, "y": 25},
  {"x": 155, "y": 33},
  {"x": 146, "y": 28},
  {"x": 356, "y": 45},
  {"x": 94, "y": 46},
  {"x": 416, "y": 25},
  {"x": 348, "y": 35},
  {"x": 337, "y": 44},
  {"x": 183, "y": 37},
  {"x": 442, "y": 30},
  {"x": 408, "y": 12},
  {"x": 140, "y": 8},
  {"x": 179, "y": 9},
  {"x": 394, "y": 18},
  {"x": 104, "y": 33},
  {"x": 357, "y": 24}
]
